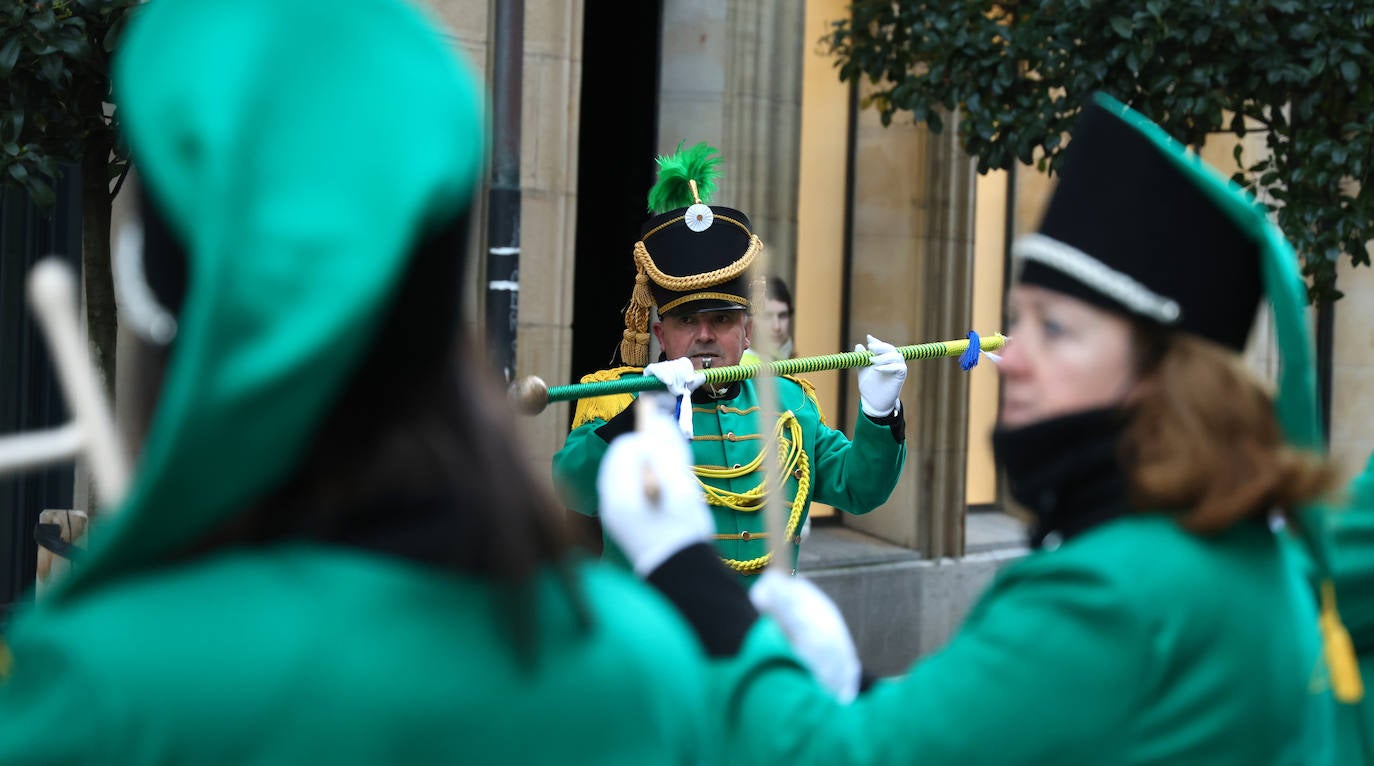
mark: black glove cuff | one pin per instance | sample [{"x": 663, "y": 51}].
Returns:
[
  {"x": 866, "y": 680},
  {"x": 709, "y": 596},
  {"x": 896, "y": 422},
  {"x": 620, "y": 424}
]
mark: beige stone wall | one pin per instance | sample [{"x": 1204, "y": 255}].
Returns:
[
  {"x": 551, "y": 87},
  {"x": 819, "y": 277},
  {"x": 1352, "y": 369},
  {"x": 989, "y": 262},
  {"x": 912, "y": 274},
  {"x": 732, "y": 76},
  {"x": 888, "y": 263}
]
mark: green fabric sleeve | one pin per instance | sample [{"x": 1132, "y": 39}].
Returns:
[
  {"x": 1035, "y": 645},
  {"x": 1352, "y": 570},
  {"x": 1352, "y": 562},
  {"x": 575, "y": 468},
  {"x": 54, "y": 712},
  {"x": 856, "y": 476}
]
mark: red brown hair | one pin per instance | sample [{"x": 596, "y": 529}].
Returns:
[{"x": 1204, "y": 440}]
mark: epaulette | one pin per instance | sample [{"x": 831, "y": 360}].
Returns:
[
  {"x": 810, "y": 392},
  {"x": 603, "y": 407}
]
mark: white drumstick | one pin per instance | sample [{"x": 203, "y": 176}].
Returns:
[
  {"x": 52, "y": 294},
  {"x": 35, "y": 449}
]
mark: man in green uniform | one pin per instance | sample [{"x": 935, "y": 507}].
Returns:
[{"x": 694, "y": 266}]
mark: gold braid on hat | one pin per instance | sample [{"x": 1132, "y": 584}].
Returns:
[{"x": 634, "y": 345}]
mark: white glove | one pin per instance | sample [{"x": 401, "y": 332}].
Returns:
[
  {"x": 682, "y": 379},
  {"x": 650, "y": 532},
  {"x": 678, "y": 375},
  {"x": 815, "y": 629},
  {"x": 881, "y": 383}
]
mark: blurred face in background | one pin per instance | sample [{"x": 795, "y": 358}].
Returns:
[
  {"x": 1063, "y": 355},
  {"x": 777, "y": 321}
]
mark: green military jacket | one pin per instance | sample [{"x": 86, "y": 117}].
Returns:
[
  {"x": 1351, "y": 556},
  {"x": 854, "y": 475},
  {"x": 1134, "y": 643},
  {"x": 288, "y": 641}
]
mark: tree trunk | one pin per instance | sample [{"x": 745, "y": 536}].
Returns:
[{"x": 102, "y": 322}]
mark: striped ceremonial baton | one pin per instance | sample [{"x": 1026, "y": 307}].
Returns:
[{"x": 531, "y": 395}]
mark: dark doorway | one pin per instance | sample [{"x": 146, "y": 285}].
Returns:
[
  {"x": 29, "y": 395},
  {"x": 616, "y": 167},
  {"x": 615, "y": 160}
]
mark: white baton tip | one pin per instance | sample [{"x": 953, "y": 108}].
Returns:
[{"x": 51, "y": 282}]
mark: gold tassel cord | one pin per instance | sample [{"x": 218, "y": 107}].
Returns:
[
  {"x": 634, "y": 345},
  {"x": 1346, "y": 684},
  {"x": 793, "y": 458},
  {"x": 645, "y": 263},
  {"x": 603, "y": 407}
]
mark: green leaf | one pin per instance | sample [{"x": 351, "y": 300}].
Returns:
[
  {"x": 40, "y": 192},
  {"x": 1238, "y": 127},
  {"x": 44, "y": 22},
  {"x": 1350, "y": 71},
  {"x": 1303, "y": 31},
  {"x": 53, "y": 70},
  {"x": 18, "y": 172},
  {"x": 1121, "y": 25},
  {"x": 9, "y": 55}
]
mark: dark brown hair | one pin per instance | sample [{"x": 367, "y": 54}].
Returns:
[
  {"x": 417, "y": 458},
  {"x": 1204, "y": 440}
]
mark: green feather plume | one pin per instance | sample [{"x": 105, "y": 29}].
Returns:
[{"x": 671, "y": 191}]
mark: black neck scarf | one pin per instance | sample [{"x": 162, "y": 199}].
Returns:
[{"x": 1066, "y": 471}]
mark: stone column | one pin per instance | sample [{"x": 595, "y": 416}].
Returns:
[
  {"x": 732, "y": 76},
  {"x": 941, "y": 444},
  {"x": 550, "y": 94},
  {"x": 911, "y": 282}
]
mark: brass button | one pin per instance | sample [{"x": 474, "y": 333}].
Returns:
[
  {"x": 744, "y": 535},
  {"x": 730, "y": 436},
  {"x": 797, "y": 473},
  {"x": 721, "y": 408},
  {"x": 736, "y": 466}
]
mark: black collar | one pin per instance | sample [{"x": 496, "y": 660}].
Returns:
[
  {"x": 706, "y": 395},
  {"x": 1066, "y": 471}
]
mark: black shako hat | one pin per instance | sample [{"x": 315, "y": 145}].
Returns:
[
  {"x": 693, "y": 269},
  {"x": 691, "y": 256},
  {"x": 1129, "y": 230}
]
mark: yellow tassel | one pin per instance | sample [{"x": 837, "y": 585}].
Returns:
[
  {"x": 634, "y": 345},
  {"x": 603, "y": 407},
  {"x": 810, "y": 392},
  {"x": 6, "y": 659},
  {"x": 1340, "y": 650}
]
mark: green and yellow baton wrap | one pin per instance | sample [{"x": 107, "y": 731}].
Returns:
[{"x": 531, "y": 395}]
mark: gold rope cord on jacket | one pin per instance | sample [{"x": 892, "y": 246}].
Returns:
[
  {"x": 634, "y": 343},
  {"x": 793, "y": 460}
]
